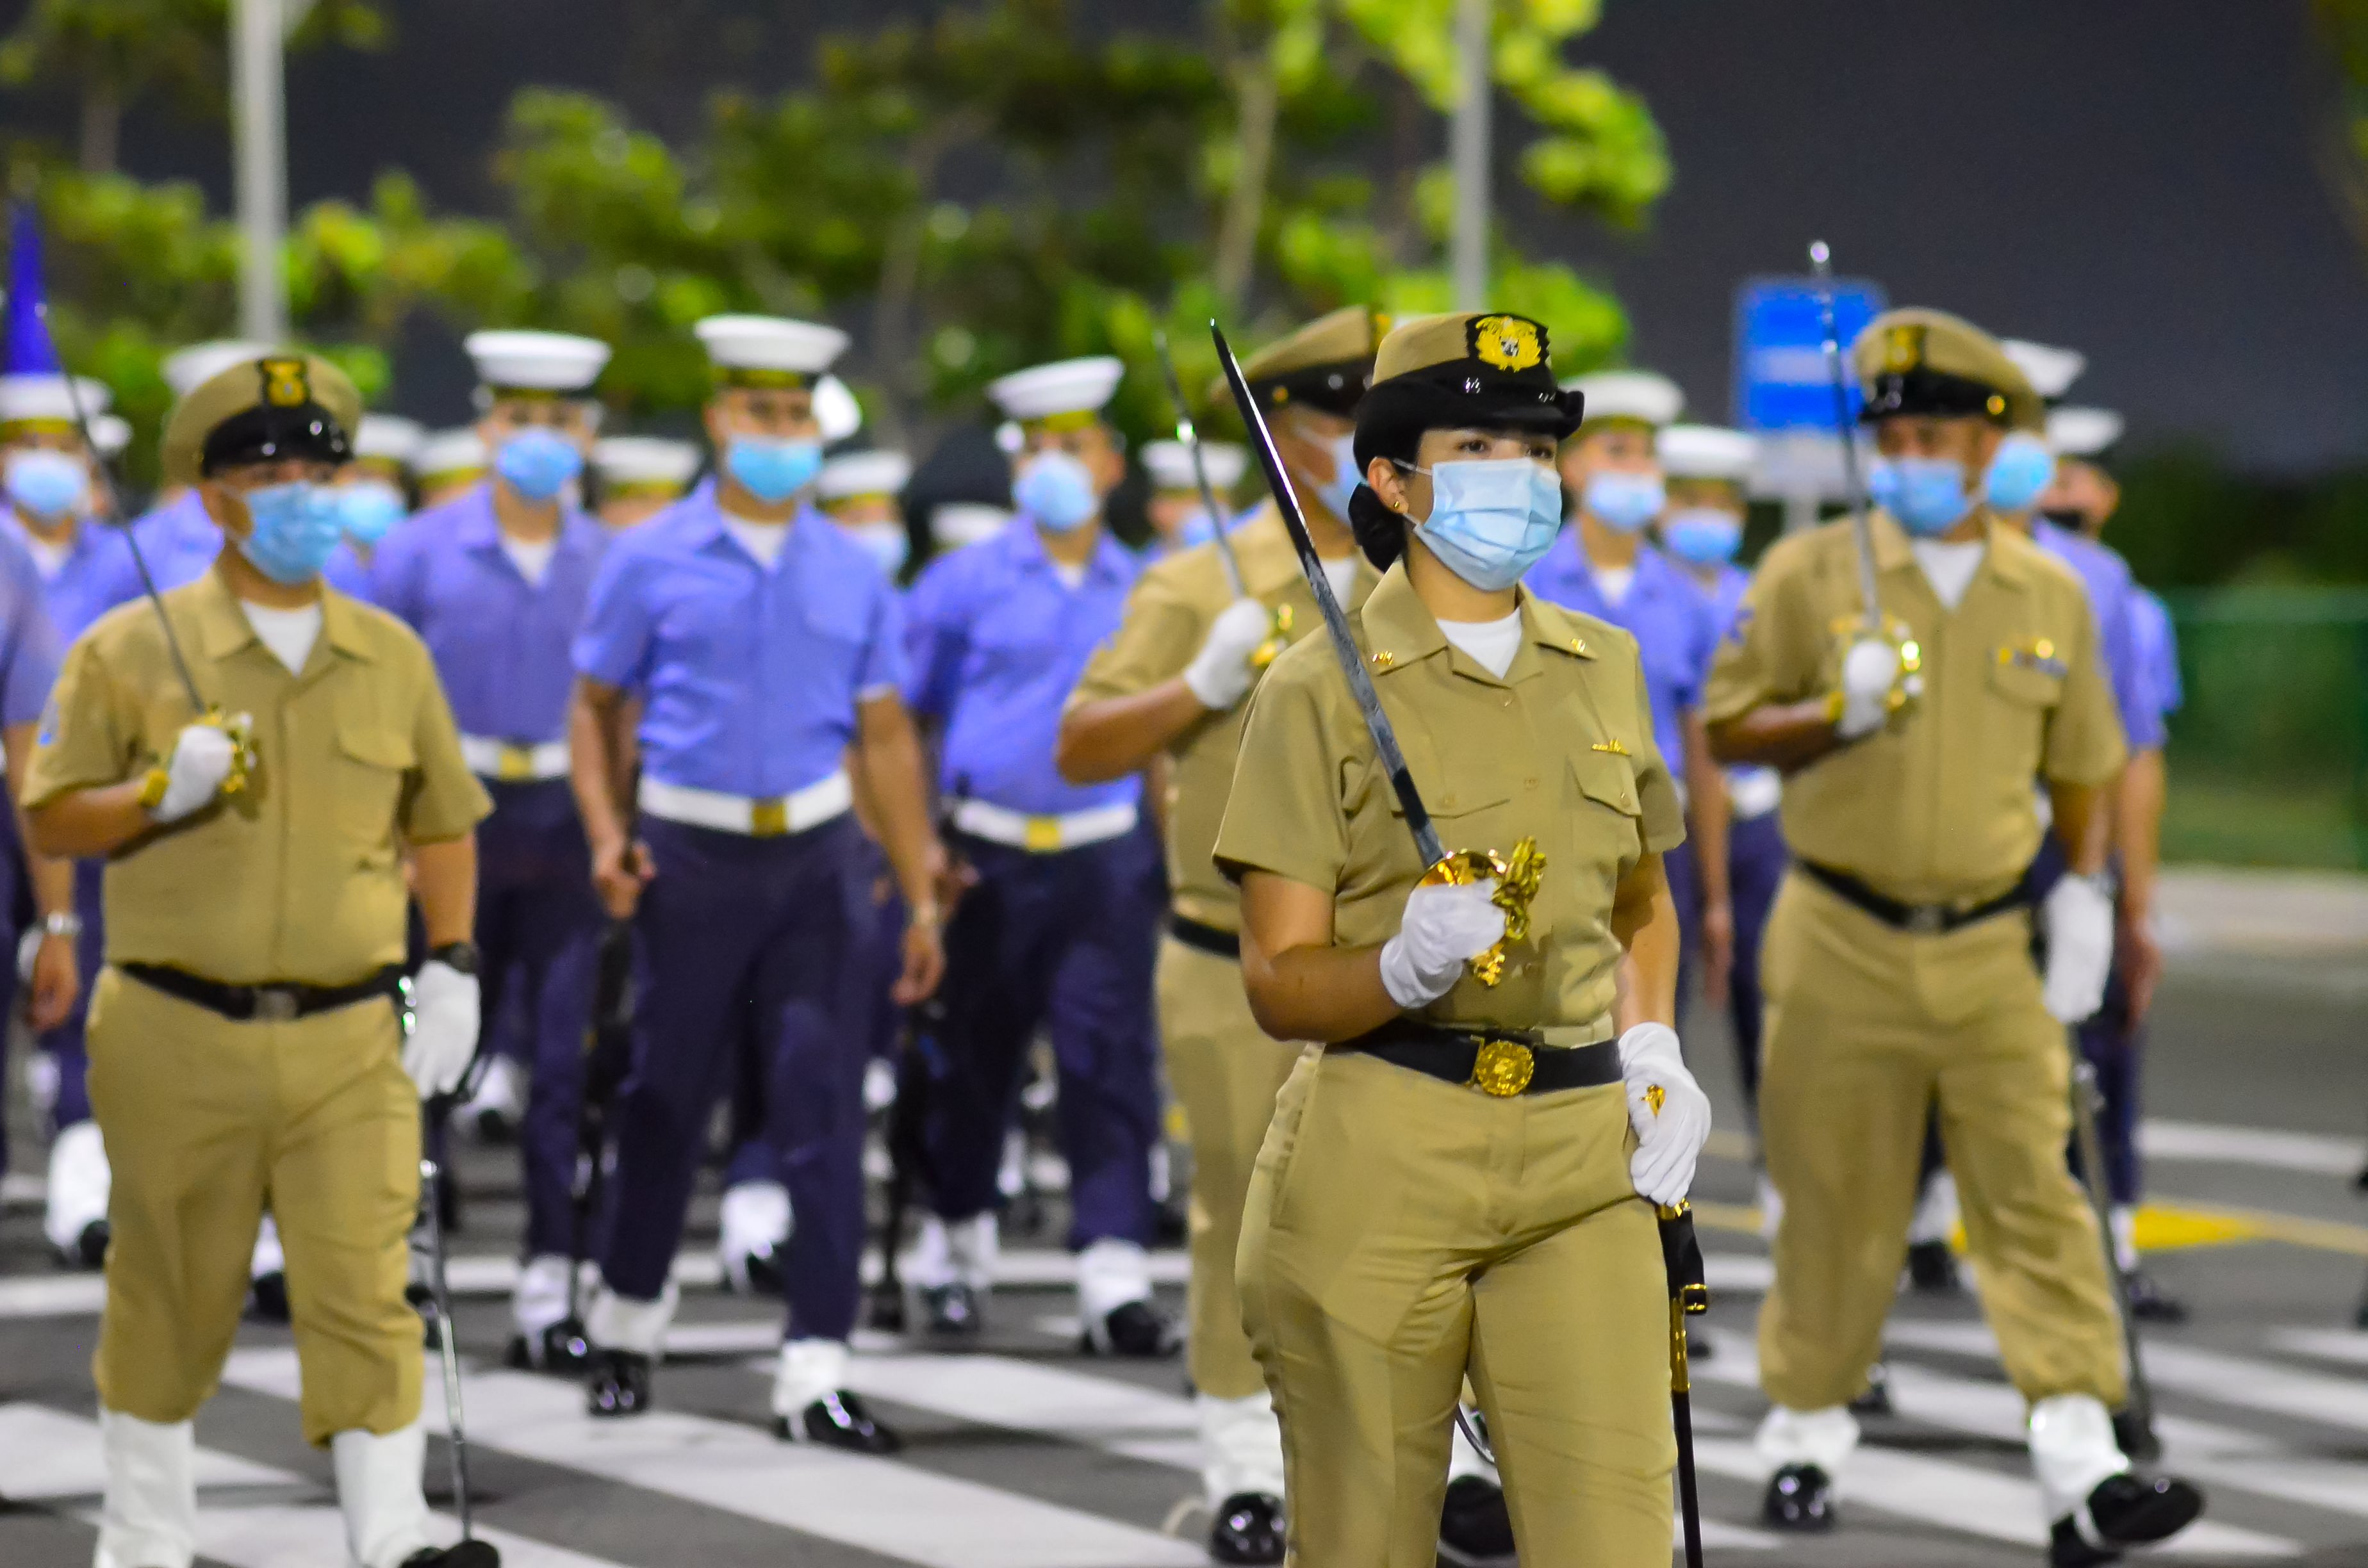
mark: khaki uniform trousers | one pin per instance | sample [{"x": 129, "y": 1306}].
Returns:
[
  {"x": 1867, "y": 1026},
  {"x": 206, "y": 1120},
  {"x": 1225, "y": 1071},
  {"x": 1402, "y": 1231}
]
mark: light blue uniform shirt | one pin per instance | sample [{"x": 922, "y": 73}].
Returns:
[
  {"x": 997, "y": 642},
  {"x": 749, "y": 676},
  {"x": 1676, "y": 627},
  {"x": 76, "y": 592},
  {"x": 2157, "y": 649},
  {"x": 2107, "y": 577},
  {"x": 501, "y": 643},
  {"x": 28, "y": 642},
  {"x": 177, "y": 541}
]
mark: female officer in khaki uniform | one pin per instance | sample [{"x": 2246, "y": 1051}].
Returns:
[{"x": 1450, "y": 1186}]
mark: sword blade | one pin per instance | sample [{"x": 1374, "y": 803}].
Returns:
[
  {"x": 1821, "y": 262},
  {"x": 1336, "y": 623},
  {"x": 1187, "y": 433}
]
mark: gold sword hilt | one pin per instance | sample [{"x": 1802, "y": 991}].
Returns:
[
  {"x": 1908, "y": 686},
  {"x": 240, "y": 728},
  {"x": 1277, "y": 638},
  {"x": 1517, "y": 877}
]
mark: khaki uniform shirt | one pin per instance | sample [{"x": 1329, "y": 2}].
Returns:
[
  {"x": 296, "y": 877},
  {"x": 1937, "y": 807},
  {"x": 1168, "y": 619},
  {"x": 1559, "y": 749}
]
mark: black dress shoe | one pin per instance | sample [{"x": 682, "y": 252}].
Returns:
[
  {"x": 267, "y": 1297},
  {"x": 1875, "y": 1398},
  {"x": 838, "y": 1420},
  {"x": 952, "y": 1309},
  {"x": 2123, "y": 1511},
  {"x": 616, "y": 1383},
  {"x": 1800, "y": 1497},
  {"x": 423, "y": 1301},
  {"x": 89, "y": 1249},
  {"x": 1932, "y": 1268},
  {"x": 561, "y": 1347},
  {"x": 2149, "y": 1302},
  {"x": 1249, "y": 1528},
  {"x": 1137, "y": 1330},
  {"x": 1474, "y": 1529},
  {"x": 460, "y": 1554}
]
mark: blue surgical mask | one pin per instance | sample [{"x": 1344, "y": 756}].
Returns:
[
  {"x": 772, "y": 468},
  {"x": 2023, "y": 468},
  {"x": 1345, "y": 476},
  {"x": 1624, "y": 502},
  {"x": 1492, "y": 518},
  {"x": 1703, "y": 536},
  {"x": 46, "y": 483},
  {"x": 886, "y": 543},
  {"x": 1927, "y": 495},
  {"x": 538, "y": 463},
  {"x": 369, "y": 508},
  {"x": 1057, "y": 491},
  {"x": 294, "y": 530}
]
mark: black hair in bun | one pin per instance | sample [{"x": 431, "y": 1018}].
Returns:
[{"x": 1381, "y": 533}]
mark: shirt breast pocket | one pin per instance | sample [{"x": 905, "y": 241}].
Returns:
[
  {"x": 373, "y": 766},
  {"x": 2025, "y": 687},
  {"x": 1607, "y": 816}
]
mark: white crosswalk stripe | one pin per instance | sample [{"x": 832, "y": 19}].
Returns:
[
  {"x": 48, "y": 1456},
  {"x": 879, "y": 1505}
]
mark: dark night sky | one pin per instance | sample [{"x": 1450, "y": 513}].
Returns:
[{"x": 2133, "y": 178}]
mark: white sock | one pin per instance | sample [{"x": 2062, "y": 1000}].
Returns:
[
  {"x": 2072, "y": 1449},
  {"x": 1936, "y": 1213},
  {"x": 1111, "y": 1273},
  {"x": 1821, "y": 1438},
  {"x": 269, "y": 1257},
  {"x": 541, "y": 1297},
  {"x": 2126, "y": 1237},
  {"x": 809, "y": 1369},
  {"x": 1241, "y": 1446},
  {"x": 378, "y": 1492},
  {"x": 1466, "y": 1458},
  {"x": 150, "y": 1516},
  {"x": 621, "y": 1323},
  {"x": 80, "y": 1181}
]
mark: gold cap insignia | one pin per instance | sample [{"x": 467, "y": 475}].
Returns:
[
  {"x": 284, "y": 382},
  {"x": 1903, "y": 347},
  {"x": 1509, "y": 342}
]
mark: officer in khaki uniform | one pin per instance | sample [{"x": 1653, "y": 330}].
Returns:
[
  {"x": 245, "y": 1044},
  {"x": 1897, "y": 964},
  {"x": 1455, "y": 1181},
  {"x": 1171, "y": 683}
]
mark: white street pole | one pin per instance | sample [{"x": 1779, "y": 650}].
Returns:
[
  {"x": 1468, "y": 253},
  {"x": 259, "y": 123}
]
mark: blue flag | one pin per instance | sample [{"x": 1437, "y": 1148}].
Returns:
[{"x": 25, "y": 346}]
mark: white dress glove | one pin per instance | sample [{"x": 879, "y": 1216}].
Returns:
[
  {"x": 443, "y": 1028},
  {"x": 1668, "y": 1142},
  {"x": 1220, "y": 674},
  {"x": 2080, "y": 948},
  {"x": 1868, "y": 671},
  {"x": 1443, "y": 927},
  {"x": 201, "y": 758}
]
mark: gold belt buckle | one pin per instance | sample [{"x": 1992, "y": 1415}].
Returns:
[
  {"x": 1503, "y": 1068},
  {"x": 516, "y": 764},
  {"x": 768, "y": 818},
  {"x": 1042, "y": 835}
]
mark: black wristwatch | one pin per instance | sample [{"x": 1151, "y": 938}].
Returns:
[{"x": 462, "y": 956}]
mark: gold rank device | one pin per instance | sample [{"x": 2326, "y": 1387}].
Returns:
[{"x": 1517, "y": 884}]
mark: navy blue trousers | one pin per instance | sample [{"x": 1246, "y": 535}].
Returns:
[
  {"x": 539, "y": 926},
  {"x": 742, "y": 943},
  {"x": 1684, "y": 873},
  {"x": 1063, "y": 941},
  {"x": 1756, "y": 860}
]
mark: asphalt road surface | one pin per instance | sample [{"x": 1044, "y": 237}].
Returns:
[{"x": 1024, "y": 1454}]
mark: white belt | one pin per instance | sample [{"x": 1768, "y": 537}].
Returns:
[
  {"x": 1044, "y": 835},
  {"x": 811, "y": 807},
  {"x": 508, "y": 762},
  {"x": 1753, "y": 791}
]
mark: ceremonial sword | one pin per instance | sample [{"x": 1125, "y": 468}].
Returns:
[{"x": 1190, "y": 435}]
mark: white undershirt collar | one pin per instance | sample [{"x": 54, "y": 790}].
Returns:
[
  {"x": 1489, "y": 644},
  {"x": 1950, "y": 568},
  {"x": 288, "y": 633}
]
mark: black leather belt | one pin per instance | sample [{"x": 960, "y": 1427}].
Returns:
[
  {"x": 272, "y": 1003},
  {"x": 1205, "y": 938},
  {"x": 1501, "y": 1062},
  {"x": 1919, "y": 919}
]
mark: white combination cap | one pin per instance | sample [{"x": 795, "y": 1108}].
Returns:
[
  {"x": 536, "y": 361},
  {"x": 2083, "y": 432},
  {"x": 864, "y": 473},
  {"x": 959, "y": 523},
  {"x": 51, "y": 399},
  {"x": 449, "y": 454},
  {"x": 645, "y": 463},
  {"x": 110, "y": 433},
  {"x": 769, "y": 350},
  {"x": 1170, "y": 465},
  {"x": 1628, "y": 394},
  {"x": 1707, "y": 451},
  {"x": 2050, "y": 370},
  {"x": 188, "y": 368},
  {"x": 390, "y": 437},
  {"x": 836, "y": 409},
  {"x": 1065, "y": 387}
]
